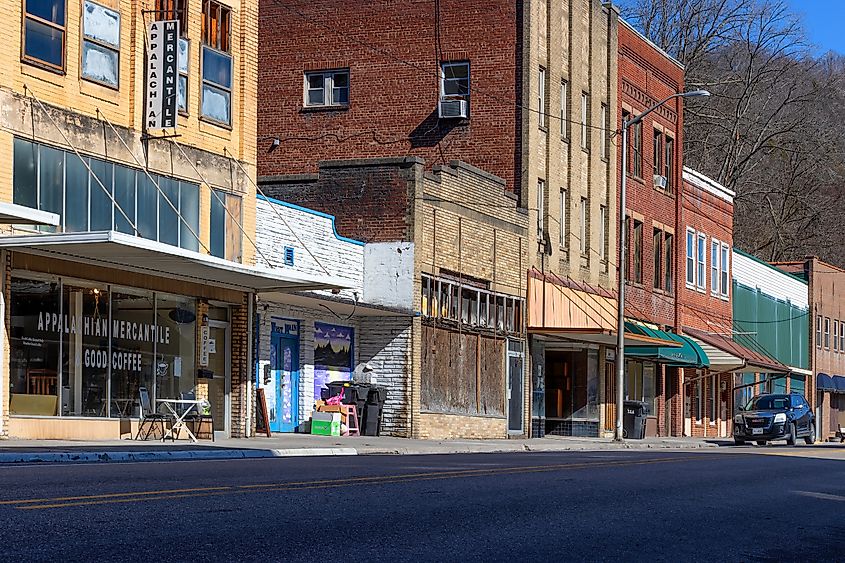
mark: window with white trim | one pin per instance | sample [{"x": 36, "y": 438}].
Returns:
[
  {"x": 701, "y": 262},
  {"x": 714, "y": 266},
  {"x": 842, "y": 336},
  {"x": 827, "y": 333},
  {"x": 564, "y": 109},
  {"x": 605, "y": 134},
  {"x": 690, "y": 258},
  {"x": 454, "y": 80},
  {"x": 541, "y": 208},
  {"x": 724, "y": 288},
  {"x": 182, "y": 87},
  {"x": 100, "y": 44},
  {"x": 327, "y": 88},
  {"x": 583, "y": 226},
  {"x": 818, "y": 330},
  {"x": 564, "y": 231},
  {"x": 541, "y": 97},
  {"x": 585, "y": 121},
  {"x": 835, "y": 335}
]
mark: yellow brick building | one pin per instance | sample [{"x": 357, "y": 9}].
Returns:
[{"x": 130, "y": 267}]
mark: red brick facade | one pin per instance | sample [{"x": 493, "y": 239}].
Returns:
[
  {"x": 393, "y": 51},
  {"x": 647, "y": 76}
]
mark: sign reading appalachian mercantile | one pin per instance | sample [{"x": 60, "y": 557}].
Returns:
[{"x": 162, "y": 75}]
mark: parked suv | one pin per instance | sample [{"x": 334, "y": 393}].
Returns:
[{"x": 775, "y": 417}]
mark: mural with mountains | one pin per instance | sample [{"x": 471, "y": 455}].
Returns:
[{"x": 332, "y": 354}]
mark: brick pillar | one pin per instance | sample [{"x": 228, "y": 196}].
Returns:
[
  {"x": 6, "y": 349},
  {"x": 241, "y": 371},
  {"x": 201, "y": 384}
]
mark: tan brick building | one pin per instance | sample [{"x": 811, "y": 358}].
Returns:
[
  {"x": 128, "y": 251},
  {"x": 523, "y": 91}
]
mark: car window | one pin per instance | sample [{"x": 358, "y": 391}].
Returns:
[{"x": 768, "y": 402}]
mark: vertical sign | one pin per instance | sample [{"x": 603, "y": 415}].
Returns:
[
  {"x": 204, "y": 337},
  {"x": 162, "y": 75}
]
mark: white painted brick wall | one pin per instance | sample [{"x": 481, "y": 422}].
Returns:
[
  {"x": 383, "y": 343},
  {"x": 341, "y": 257}
]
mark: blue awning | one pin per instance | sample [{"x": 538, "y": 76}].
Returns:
[{"x": 832, "y": 383}]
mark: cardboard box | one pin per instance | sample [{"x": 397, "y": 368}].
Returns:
[{"x": 325, "y": 424}]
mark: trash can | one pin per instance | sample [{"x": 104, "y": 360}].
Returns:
[
  {"x": 633, "y": 420},
  {"x": 373, "y": 409}
]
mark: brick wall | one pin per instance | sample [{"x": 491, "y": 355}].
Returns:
[
  {"x": 646, "y": 76},
  {"x": 392, "y": 50},
  {"x": 437, "y": 426},
  {"x": 243, "y": 421},
  {"x": 706, "y": 212},
  {"x": 372, "y": 200}
]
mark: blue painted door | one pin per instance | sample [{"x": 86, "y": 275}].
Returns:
[{"x": 284, "y": 380}]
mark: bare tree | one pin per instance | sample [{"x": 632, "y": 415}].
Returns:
[{"x": 768, "y": 131}]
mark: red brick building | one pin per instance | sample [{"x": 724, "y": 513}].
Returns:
[
  {"x": 648, "y": 75},
  {"x": 340, "y": 81}
]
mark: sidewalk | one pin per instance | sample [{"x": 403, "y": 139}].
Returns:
[{"x": 291, "y": 445}]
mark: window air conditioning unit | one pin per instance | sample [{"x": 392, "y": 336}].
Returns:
[
  {"x": 660, "y": 182},
  {"x": 452, "y": 109}
]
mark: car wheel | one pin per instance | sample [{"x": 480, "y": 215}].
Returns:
[
  {"x": 793, "y": 434},
  {"x": 761, "y": 442},
  {"x": 738, "y": 442},
  {"x": 811, "y": 437}
]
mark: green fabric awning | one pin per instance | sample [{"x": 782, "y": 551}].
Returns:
[{"x": 685, "y": 352}]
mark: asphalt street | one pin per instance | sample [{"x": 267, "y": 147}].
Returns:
[{"x": 729, "y": 504}]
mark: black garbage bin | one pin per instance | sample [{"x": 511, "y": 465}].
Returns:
[
  {"x": 633, "y": 419},
  {"x": 373, "y": 410}
]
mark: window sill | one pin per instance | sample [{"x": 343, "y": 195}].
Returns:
[
  {"x": 564, "y": 139},
  {"x": 35, "y": 63},
  {"x": 216, "y": 124},
  {"x": 318, "y": 109}
]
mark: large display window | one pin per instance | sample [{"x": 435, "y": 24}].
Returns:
[{"x": 85, "y": 349}]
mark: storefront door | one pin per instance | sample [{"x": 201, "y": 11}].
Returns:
[
  {"x": 516, "y": 363},
  {"x": 284, "y": 388},
  {"x": 219, "y": 386}
]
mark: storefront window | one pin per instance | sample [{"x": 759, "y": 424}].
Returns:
[
  {"x": 176, "y": 348},
  {"x": 34, "y": 347},
  {"x": 85, "y": 350},
  {"x": 90, "y": 351},
  {"x": 797, "y": 384},
  {"x": 133, "y": 341},
  {"x": 641, "y": 384}
]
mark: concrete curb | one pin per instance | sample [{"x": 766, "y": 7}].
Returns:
[
  {"x": 105, "y": 456},
  {"x": 176, "y": 455}
]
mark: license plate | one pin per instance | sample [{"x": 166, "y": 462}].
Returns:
[{"x": 756, "y": 430}]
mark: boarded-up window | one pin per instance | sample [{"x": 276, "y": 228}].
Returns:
[{"x": 462, "y": 373}]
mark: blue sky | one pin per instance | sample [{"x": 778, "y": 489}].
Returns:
[{"x": 823, "y": 21}]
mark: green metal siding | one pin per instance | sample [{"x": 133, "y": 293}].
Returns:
[{"x": 769, "y": 325}]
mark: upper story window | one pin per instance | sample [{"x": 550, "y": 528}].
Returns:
[
  {"x": 224, "y": 230},
  {"x": 658, "y": 152},
  {"x": 470, "y": 305},
  {"x": 174, "y": 10},
  {"x": 108, "y": 197},
  {"x": 564, "y": 232},
  {"x": 44, "y": 32},
  {"x": 454, "y": 80},
  {"x": 714, "y": 266},
  {"x": 605, "y": 133},
  {"x": 636, "y": 142},
  {"x": 329, "y": 88},
  {"x": 541, "y": 208},
  {"x": 669, "y": 261},
  {"x": 690, "y": 258},
  {"x": 100, "y": 44},
  {"x": 541, "y": 97},
  {"x": 637, "y": 244},
  {"x": 701, "y": 262},
  {"x": 585, "y": 121},
  {"x": 583, "y": 228},
  {"x": 564, "y": 109},
  {"x": 818, "y": 332},
  {"x": 669, "y": 163},
  {"x": 724, "y": 286},
  {"x": 216, "y": 62},
  {"x": 827, "y": 332}
]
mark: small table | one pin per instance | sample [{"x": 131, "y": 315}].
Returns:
[{"x": 179, "y": 419}]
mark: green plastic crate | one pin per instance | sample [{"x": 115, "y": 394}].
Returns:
[{"x": 325, "y": 428}]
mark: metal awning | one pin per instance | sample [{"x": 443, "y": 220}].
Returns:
[
  {"x": 684, "y": 352},
  {"x": 14, "y": 214},
  {"x": 121, "y": 251},
  {"x": 832, "y": 383},
  {"x": 635, "y": 335},
  {"x": 727, "y": 355}
]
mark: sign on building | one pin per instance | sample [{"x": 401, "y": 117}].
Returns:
[{"x": 162, "y": 75}]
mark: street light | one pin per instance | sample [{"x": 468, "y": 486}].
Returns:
[{"x": 620, "y": 321}]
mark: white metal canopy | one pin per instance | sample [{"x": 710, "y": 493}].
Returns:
[
  {"x": 14, "y": 214},
  {"x": 113, "y": 249}
]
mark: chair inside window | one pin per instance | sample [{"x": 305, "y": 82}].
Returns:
[{"x": 150, "y": 417}]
